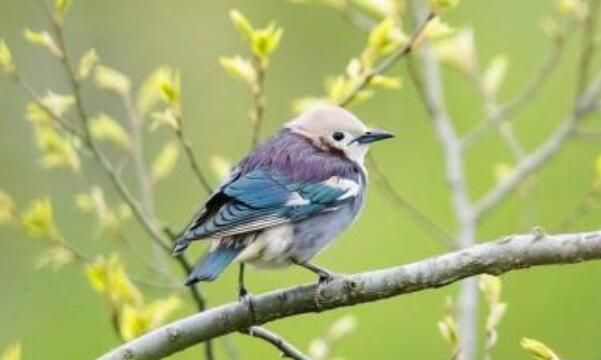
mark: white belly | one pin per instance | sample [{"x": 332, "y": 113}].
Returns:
[{"x": 270, "y": 248}]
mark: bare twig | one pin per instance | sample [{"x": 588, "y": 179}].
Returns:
[
  {"x": 288, "y": 350},
  {"x": 586, "y": 103},
  {"x": 506, "y": 111},
  {"x": 258, "y": 95},
  {"x": 389, "y": 61},
  {"x": 413, "y": 212},
  {"x": 511, "y": 253},
  {"x": 433, "y": 98},
  {"x": 185, "y": 144}
]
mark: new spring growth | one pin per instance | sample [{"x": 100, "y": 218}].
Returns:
[
  {"x": 38, "y": 221},
  {"x": 105, "y": 128},
  {"x": 443, "y": 5},
  {"x": 94, "y": 202},
  {"x": 538, "y": 350},
  {"x": 458, "y": 51},
  {"x": 262, "y": 42},
  {"x": 322, "y": 348},
  {"x": 491, "y": 286},
  {"x": 13, "y": 352},
  {"x": 494, "y": 75},
  {"x": 6, "y": 59},
  {"x": 448, "y": 329},
  {"x": 112, "y": 80},
  {"x": 165, "y": 162},
  {"x": 61, "y": 7},
  {"x": 86, "y": 64},
  {"x": 8, "y": 210},
  {"x": 45, "y": 40},
  {"x": 576, "y": 8},
  {"x": 134, "y": 316}
]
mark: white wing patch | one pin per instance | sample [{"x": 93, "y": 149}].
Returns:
[{"x": 350, "y": 188}]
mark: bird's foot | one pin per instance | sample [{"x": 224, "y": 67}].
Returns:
[
  {"x": 324, "y": 276},
  {"x": 246, "y": 298}
]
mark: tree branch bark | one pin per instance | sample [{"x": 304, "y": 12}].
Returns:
[{"x": 510, "y": 253}]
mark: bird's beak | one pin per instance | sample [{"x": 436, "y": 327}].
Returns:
[{"x": 373, "y": 136}]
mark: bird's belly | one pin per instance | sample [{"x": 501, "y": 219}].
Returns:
[{"x": 280, "y": 245}]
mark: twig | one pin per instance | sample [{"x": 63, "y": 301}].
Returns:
[
  {"x": 149, "y": 223},
  {"x": 258, "y": 95},
  {"x": 498, "y": 257},
  {"x": 185, "y": 144},
  {"x": 589, "y": 32},
  {"x": 288, "y": 350},
  {"x": 414, "y": 213},
  {"x": 433, "y": 98},
  {"x": 509, "y": 109},
  {"x": 586, "y": 103},
  {"x": 390, "y": 60}
]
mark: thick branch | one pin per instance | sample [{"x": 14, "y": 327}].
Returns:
[{"x": 498, "y": 257}]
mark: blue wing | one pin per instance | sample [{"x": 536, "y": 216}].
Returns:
[{"x": 259, "y": 200}]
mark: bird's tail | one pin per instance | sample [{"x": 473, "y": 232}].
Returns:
[{"x": 213, "y": 263}]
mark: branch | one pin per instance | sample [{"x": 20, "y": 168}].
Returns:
[
  {"x": 288, "y": 350},
  {"x": 390, "y": 60},
  {"x": 258, "y": 95},
  {"x": 586, "y": 104},
  {"x": 509, "y": 109},
  {"x": 185, "y": 144},
  {"x": 498, "y": 257}
]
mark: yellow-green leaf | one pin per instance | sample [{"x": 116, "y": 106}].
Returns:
[
  {"x": 494, "y": 75},
  {"x": 150, "y": 91},
  {"x": 490, "y": 286},
  {"x": 7, "y": 208},
  {"x": 538, "y": 350},
  {"x": 239, "y": 68},
  {"x": 105, "y": 128},
  {"x": 6, "y": 59},
  {"x": 87, "y": 63},
  {"x": 38, "y": 221},
  {"x": 57, "y": 151},
  {"x": 458, "y": 51},
  {"x": 58, "y": 104},
  {"x": 110, "y": 79},
  {"x": 13, "y": 352},
  {"x": 166, "y": 118},
  {"x": 266, "y": 41},
  {"x": 133, "y": 322},
  {"x": 220, "y": 166},
  {"x": 165, "y": 162},
  {"x": 61, "y": 7},
  {"x": 109, "y": 277},
  {"x": 443, "y": 5},
  {"x": 242, "y": 24},
  {"x": 55, "y": 258},
  {"x": 576, "y": 8},
  {"x": 386, "y": 82},
  {"x": 43, "y": 39}
]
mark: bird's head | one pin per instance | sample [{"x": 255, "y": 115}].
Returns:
[{"x": 334, "y": 129}]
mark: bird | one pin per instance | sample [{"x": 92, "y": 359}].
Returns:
[{"x": 288, "y": 199}]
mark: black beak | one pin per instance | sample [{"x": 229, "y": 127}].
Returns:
[{"x": 372, "y": 136}]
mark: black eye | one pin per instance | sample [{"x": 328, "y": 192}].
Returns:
[{"x": 338, "y": 136}]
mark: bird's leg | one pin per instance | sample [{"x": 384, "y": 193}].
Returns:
[
  {"x": 242, "y": 291},
  {"x": 324, "y": 274},
  {"x": 243, "y": 294}
]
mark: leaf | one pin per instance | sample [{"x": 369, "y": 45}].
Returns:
[
  {"x": 166, "y": 118},
  {"x": 220, "y": 166},
  {"x": 109, "y": 277},
  {"x": 266, "y": 41},
  {"x": 57, "y": 150},
  {"x": 538, "y": 350},
  {"x": 7, "y": 208},
  {"x": 38, "y": 221},
  {"x": 87, "y": 62},
  {"x": 458, "y": 51},
  {"x": 110, "y": 79},
  {"x": 443, "y": 5},
  {"x": 105, "y": 128},
  {"x": 135, "y": 321},
  {"x": 61, "y": 7},
  {"x": 43, "y": 39},
  {"x": 6, "y": 59},
  {"x": 150, "y": 91},
  {"x": 341, "y": 328},
  {"x": 242, "y": 24},
  {"x": 13, "y": 352},
  {"x": 386, "y": 82},
  {"x": 494, "y": 75},
  {"x": 55, "y": 258},
  {"x": 239, "y": 68},
  {"x": 58, "y": 104},
  {"x": 165, "y": 162}
]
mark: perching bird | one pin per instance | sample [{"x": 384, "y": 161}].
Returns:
[{"x": 288, "y": 199}]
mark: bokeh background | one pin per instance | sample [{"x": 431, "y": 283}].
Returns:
[{"x": 57, "y": 316}]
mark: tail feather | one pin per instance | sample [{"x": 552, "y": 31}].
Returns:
[{"x": 213, "y": 264}]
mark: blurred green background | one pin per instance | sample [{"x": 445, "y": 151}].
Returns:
[{"x": 57, "y": 316}]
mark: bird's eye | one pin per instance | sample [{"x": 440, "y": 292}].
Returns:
[{"x": 338, "y": 136}]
